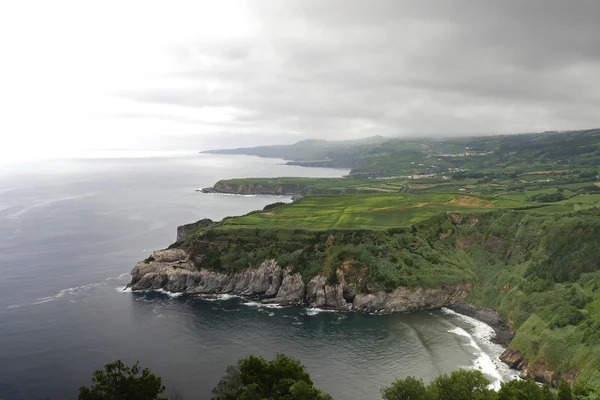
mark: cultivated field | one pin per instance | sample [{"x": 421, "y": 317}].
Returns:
[{"x": 361, "y": 211}]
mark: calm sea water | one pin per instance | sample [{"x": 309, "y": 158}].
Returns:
[{"x": 71, "y": 230}]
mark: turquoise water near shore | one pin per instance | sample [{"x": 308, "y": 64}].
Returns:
[{"x": 72, "y": 230}]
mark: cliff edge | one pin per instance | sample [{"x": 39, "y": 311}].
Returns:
[{"x": 173, "y": 270}]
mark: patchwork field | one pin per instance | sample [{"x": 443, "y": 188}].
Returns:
[{"x": 372, "y": 212}]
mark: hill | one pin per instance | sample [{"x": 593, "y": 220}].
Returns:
[
  {"x": 329, "y": 153},
  {"x": 388, "y": 157}
]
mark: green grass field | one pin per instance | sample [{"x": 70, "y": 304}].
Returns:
[{"x": 373, "y": 212}]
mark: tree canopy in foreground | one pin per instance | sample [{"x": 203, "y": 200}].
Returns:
[
  {"x": 256, "y": 378},
  {"x": 284, "y": 378},
  {"x": 118, "y": 381}
]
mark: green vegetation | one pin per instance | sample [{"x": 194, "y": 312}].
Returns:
[
  {"x": 364, "y": 211},
  {"x": 472, "y": 385},
  {"x": 515, "y": 216},
  {"x": 460, "y": 385},
  {"x": 538, "y": 267},
  {"x": 256, "y": 378},
  {"x": 548, "y": 288},
  {"x": 284, "y": 378},
  {"x": 322, "y": 152},
  {"x": 306, "y": 186},
  {"x": 495, "y": 157},
  {"x": 118, "y": 381}
]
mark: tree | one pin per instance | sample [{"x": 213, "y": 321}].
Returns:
[
  {"x": 521, "y": 390},
  {"x": 564, "y": 391},
  {"x": 410, "y": 388},
  {"x": 256, "y": 378},
  {"x": 119, "y": 382},
  {"x": 548, "y": 393},
  {"x": 462, "y": 385}
]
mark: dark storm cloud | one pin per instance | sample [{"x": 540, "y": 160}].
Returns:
[{"x": 352, "y": 68}]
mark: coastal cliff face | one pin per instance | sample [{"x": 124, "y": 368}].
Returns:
[
  {"x": 173, "y": 271},
  {"x": 250, "y": 188},
  {"x": 184, "y": 231},
  {"x": 405, "y": 299},
  {"x": 538, "y": 371}
]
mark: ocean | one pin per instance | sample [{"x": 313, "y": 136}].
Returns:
[{"x": 72, "y": 229}]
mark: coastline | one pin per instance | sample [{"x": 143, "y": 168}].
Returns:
[
  {"x": 211, "y": 190},
  {"x": 489, "y": 317},
  {"x": 482, "y": 335}
]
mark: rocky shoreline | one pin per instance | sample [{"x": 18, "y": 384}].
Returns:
[
  {"x": 173, "y": 271},
  {"x": 294, "y": 196},
  {"x": 504, "y": 334},
  {"x": 539, "y": 371},
  {"x": 258, "y": 190}
]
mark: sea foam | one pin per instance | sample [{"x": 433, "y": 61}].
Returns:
[
  {"x": 316, "y": 310},
  {"x": 487, "y": 352}
]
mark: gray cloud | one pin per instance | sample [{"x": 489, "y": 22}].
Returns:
[{"x": 348, "y": 68}]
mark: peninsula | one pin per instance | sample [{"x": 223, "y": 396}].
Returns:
[{"x": 509, "y": 223}]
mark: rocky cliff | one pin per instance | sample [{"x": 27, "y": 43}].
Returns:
[
  {"x": 251, "y": 188},
  {"x": 538, "y": 371},
  {"x": 184, "y": 231},
  {"x": 172, "y": 270}
]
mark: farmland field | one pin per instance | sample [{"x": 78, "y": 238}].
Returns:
[{"x": 372, "y": 212}]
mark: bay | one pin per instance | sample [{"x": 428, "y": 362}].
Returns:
[{"x": 72, "y": 229}]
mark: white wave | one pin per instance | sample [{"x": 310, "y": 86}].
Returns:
[
  {"x": 207, "y": 297},
  {"x": 488, "y": 360},
  {"x": 271, "y": 314},
  {"x": 316, "y": 310},
  {"x": 227, "y": 194},
  {"x": 226, "y": 296},
  {"x": 125, "y": 289},
  {"x": 218, "y": 297},
  {"x": 170, "y": 294},
  {"x": 265, "y": 305},
  {"x": 117, "y": 278},
  {"x": 284, "y": 197},
  {"x": 77, "y": 290}
]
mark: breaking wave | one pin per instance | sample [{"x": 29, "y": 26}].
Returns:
[
  {"x": 73, "y": 291},
  {"x": 263, "y": 305},
  {"x": 487, "y": 352},
  {"x": 316, "y": 310}
]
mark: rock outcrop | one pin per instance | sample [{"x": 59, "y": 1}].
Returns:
[
  {"x": 172, "y": 270},
  {"x": 251, "y": 188},
  {"x": 291, "y": 290},
  {"x": 405, "y": 299},
  {"x": 538, "y": 371},
  {"x": 184, "y": 231},
  {"x": 320, "y": 294}
]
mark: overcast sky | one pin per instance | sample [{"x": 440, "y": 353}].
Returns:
[{"x": 202, "y": 74}]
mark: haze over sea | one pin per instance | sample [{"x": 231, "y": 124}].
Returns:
[{"x": 72, "y": 229}]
